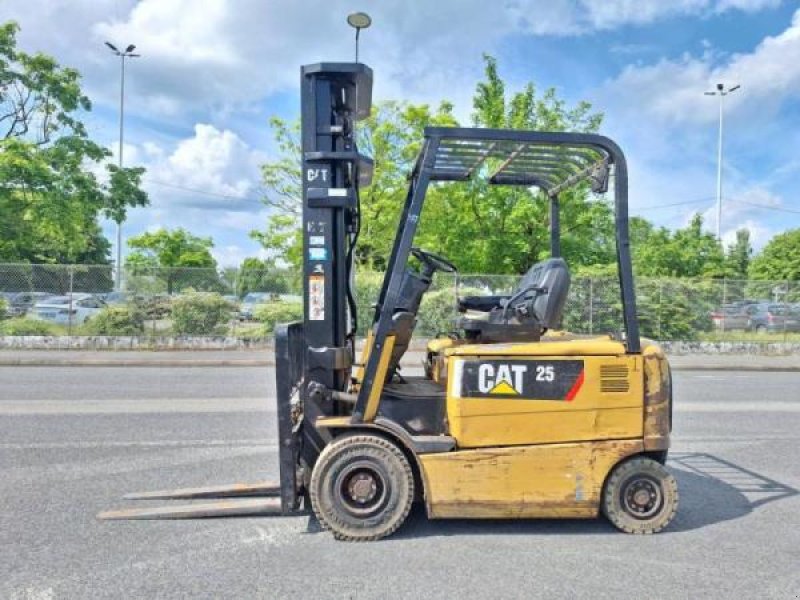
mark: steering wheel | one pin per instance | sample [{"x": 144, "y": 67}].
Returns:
[{"x": 433, "y": 261}]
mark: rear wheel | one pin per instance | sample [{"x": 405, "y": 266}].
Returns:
[
  {"x": 361, "y": 488},
  {"x": 640, "y": 496}
]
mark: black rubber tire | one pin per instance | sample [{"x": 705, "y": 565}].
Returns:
[
  {"x": 645, "y": 474},
  {"x": 386, "y": 465}
]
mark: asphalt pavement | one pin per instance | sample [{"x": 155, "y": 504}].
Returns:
[{"x": 73, "y": 440}]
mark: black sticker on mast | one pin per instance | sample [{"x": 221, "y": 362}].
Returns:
[{"x": 523, "y": 379}]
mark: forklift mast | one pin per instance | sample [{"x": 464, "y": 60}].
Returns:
[
  {"x": 317, "y": 353},
  {"x": 334, "y": 96}
]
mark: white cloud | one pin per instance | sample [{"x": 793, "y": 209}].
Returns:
[
  {"x": 232, "y": 255},
  {"x": 216, "y": 54},
  {"x": 743, "y": 208},
  {"x": 671, "y": 90},
  {"x": 759, "y": 233},
  {"x": 214, "y": 169},
  {"x": 746, "y": 5},
  {"x": 208, "y": 184}
]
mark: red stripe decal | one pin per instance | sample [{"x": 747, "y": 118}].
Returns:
[{"x": 576, "y": 387}]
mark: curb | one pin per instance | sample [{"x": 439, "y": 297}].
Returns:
[{"x": 137, "y": 363}]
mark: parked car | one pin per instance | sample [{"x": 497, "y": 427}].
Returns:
[
  {"x": 19, "y": 303},
  {"x": 774, "y": 318},
  {"x": 116, "y": 298},
  {"x": 732, "y": 316},
  {"x": 250, "y": 302},
  {"x": 63, "y": 310}
]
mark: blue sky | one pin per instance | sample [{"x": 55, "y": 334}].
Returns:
[{"x": 213, "y": 71}]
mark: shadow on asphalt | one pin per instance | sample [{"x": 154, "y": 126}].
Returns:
[{"x": 712, "y": 490}]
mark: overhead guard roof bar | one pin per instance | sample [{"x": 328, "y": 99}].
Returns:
[{"x": 551, "y": 161}]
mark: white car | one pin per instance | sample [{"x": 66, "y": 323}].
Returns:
[{"x": 58, "y": 310}]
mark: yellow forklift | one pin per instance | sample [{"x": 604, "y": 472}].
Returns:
[{"x": 513, "y": 417}]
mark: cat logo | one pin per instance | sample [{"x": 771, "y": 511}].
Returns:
[{"x": 501, "y": 379}]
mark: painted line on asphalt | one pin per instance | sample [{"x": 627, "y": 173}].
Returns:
[
  {"x": 91, "y": 444},
  {"x": 267, "y": 405},
  {"x": 136, "y": 406},
  {"x": 782, "y": 406}
]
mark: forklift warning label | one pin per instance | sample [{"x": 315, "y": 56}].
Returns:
[
  {"x": 316, "y": 298},
  {"x": 524, "y": 379}
]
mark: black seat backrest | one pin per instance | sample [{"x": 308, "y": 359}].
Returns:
[{"x": 552, "y": 277}]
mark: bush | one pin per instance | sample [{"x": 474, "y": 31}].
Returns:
[
  {"x": 274, "y": 313},
  {"x": 368, "y": 286},
  {"x": 199, "y": 313},
  {"x": 24, "y": 326},
  {"x": 3, "y": 308},
  {"x": 117, "y": 320},
  {"x": 438, "y": 313}
]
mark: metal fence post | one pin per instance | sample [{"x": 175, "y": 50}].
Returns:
[
  {"x": 660, "y": 306},
  {"x": 722, "y": 308},
  {"x": 591, "y": 306},
  {"x": 71, "y": 271},
  {"x": 785, "y": 310}
]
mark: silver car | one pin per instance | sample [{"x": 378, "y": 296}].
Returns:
[{"x": 59, "y": 309}]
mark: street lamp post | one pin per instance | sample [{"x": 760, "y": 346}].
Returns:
[
  {"x": 721, "y": 91},
  {"x": 358, "y": 21},
  {"x": 123, "y": 54}
]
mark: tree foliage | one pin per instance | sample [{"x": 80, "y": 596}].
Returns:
[
  {"x": 780, "y": 258},
  {"x": 686, "y": 252},
  {"x": 739, "y": 255},
  {"x": 256, "y": 275},
  {"x": 175, "y": 257},
  {"x": 50, "y": 193}
]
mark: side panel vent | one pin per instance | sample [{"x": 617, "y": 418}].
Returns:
[{"x": 614, "y": 379}]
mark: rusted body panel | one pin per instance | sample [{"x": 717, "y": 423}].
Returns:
[
  {"x": 546, "y": 481},
  {"x": 657, "y": 399}
]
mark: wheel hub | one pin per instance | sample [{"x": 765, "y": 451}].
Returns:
[
  {"x": 362, "y": 488},
  {"x": 642, "y": 498}
]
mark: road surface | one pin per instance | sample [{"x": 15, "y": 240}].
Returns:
[{"x": 74, "y": 440}]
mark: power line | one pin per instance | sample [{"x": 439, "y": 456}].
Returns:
[
  {"x": 685, "y": 202},
  {"x": 765, "y": 206},
  {"x": 202, "y": 192}
]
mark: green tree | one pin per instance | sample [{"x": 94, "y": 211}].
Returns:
[
  {"x": 502, "y": 229},
  {"x": 176, "y": 257},
  {"x": 50, "y": 197},
  {"x": 686, "y": 252},
  {"x": 737, "y": 260},
  {"x": 780, "y": 258},
  {"x": 256, "y": 275}
]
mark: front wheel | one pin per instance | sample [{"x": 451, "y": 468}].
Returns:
[
  {"x": 640, "y": 496},
  {"x": 361, "y": 488}
]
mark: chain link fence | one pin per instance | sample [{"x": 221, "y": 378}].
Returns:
[{"x": 83, "y": 300}]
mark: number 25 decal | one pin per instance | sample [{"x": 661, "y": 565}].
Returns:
[{"x": 545, "y": 373}]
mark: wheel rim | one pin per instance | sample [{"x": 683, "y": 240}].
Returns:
[
  {"x": 642, "y": 497},
  {"x": 362, "y": 489}
]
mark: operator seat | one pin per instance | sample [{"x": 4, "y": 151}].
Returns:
[{"x": 535, "y": 305}]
